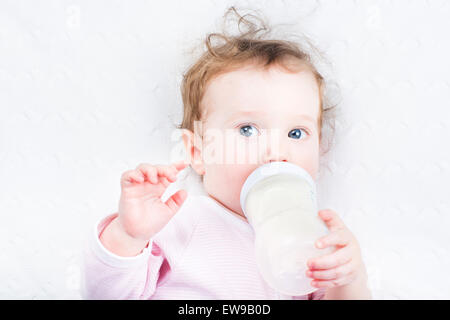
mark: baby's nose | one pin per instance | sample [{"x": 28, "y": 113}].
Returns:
[{"x": 274, "y": 149}]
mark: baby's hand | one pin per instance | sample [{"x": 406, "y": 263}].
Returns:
[
  {"x": 342, "y": 266},
  {"x": 141, "y": 212}
]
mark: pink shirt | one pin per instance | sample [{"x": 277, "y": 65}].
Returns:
[{"x": 205, "y": 251}]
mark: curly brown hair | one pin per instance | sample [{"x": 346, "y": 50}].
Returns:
[{"x": 251, "y": 47}]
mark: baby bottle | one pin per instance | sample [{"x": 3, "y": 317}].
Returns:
[{"x": 279, "y": 201}]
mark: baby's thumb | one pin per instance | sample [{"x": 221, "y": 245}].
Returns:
[{"x": 176, "y": 200}]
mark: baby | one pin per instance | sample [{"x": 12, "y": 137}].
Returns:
[{"x": 201, "y": 246}]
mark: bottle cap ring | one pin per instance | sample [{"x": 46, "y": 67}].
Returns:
[{"x": 270, "y": 169}]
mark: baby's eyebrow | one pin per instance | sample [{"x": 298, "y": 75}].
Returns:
[
  {"x": 259, "y": 112},
  {"x": 246, "y": 113}
]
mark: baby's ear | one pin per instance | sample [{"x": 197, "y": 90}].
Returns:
[{"x": 193, "y": 148}]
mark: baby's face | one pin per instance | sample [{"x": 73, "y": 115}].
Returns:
[{"x": 253, "y": 117}]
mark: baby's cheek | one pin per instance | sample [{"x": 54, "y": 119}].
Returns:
[{"x": 308, "y": 161}]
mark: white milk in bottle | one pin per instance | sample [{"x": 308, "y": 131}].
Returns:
[{"x": 279, "y": 201}]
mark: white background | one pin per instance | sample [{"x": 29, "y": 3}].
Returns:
[{"x": 89, "y": 89}]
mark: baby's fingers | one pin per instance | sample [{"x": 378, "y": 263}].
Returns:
[
  {"x": 180, "y": 165},
  {"x": 340, "y": 237},
  {"x": 158, "y": 173},
  {"x": 164, "y": 181},
  {"x": 148, "y": 171},
  {"x": 132, "y": 176},
  {"x": 332, "y": 273},
  {"x": 327, "y": 261},
  {"x": 168, "y": 172}
]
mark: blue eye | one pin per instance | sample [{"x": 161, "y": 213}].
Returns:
[
  {"x": 247, "y": 130},
  {"x": 296, "y": 133}
]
